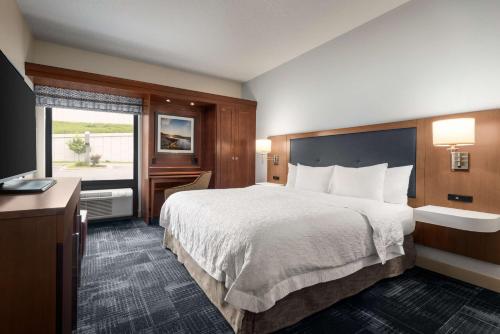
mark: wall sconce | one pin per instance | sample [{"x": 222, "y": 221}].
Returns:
[
  {"x": 263, "y": 147},
  {"x": 452, "y": 133}
]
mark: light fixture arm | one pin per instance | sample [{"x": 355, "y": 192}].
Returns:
[
  {"x": 453, "y": 148},
  {"x": 274, "y": 158}
]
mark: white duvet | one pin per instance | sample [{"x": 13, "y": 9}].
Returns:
[{"x": 266, "y": 242}]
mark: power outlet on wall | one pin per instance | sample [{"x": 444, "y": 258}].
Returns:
[{"x": 460, "y": 198}]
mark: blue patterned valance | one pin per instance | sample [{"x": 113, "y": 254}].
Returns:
[{"x": 77, "y": 99}]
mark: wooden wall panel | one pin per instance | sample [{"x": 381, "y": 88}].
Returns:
[
  {"x": 419, "y": 200},
  {"x": 482, "y": 181},
  {"x": 179, "y": 160},
  {"x": 209, "y": 144},
  {"x": 435, "y": 180},
  {"x": 66, "y": 78},
  {"x": 279, "y": 148}
]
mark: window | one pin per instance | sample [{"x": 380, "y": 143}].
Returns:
[
  {"x": 92, "y": 145},
  {"x": 93, "y": 136}
]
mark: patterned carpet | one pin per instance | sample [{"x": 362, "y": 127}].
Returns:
[{"x": 130, "y": 284}]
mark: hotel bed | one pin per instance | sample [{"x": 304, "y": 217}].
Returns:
[{"x": 268, "y": 257}]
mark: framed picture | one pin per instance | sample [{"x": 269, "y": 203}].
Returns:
[{"x": 175, "y": 134}]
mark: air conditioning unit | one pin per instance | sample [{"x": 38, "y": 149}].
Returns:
[{"x": 109, "y": 203}]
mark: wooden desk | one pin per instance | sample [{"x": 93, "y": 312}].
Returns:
[
  {"x": 38, "y": 233},
  {"x": 159, "y": 182}
]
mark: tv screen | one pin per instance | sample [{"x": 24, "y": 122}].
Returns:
[{"x": 17, "y": 123}]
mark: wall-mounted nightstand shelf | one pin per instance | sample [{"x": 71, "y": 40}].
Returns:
[
  {"x": 469, "y": 233},
  {"x": 466, "y": 220},
  {"x": 269, "y": 184}
]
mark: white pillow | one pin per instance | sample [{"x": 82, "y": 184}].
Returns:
[
  {"x": 364, "y": 182},
  {"x": 396, "y": 184},
  {"x": 292, "y": 174},
  {"x": 313, "y": 178}
]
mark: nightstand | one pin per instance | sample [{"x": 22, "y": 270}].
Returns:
[
  {"x": 466, "y": 220},
  {"x": 470, "y": 233},
  {"x": 269, "y": 184}
]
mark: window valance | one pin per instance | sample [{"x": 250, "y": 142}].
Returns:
[{"x": 76, "y": 99}]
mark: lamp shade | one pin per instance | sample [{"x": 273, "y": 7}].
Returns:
[
  {"x": 263, "y": 146},
  {"x": 454, "y": 132}
]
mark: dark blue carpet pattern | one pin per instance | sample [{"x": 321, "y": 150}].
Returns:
[{"x": 130, "y": 284}]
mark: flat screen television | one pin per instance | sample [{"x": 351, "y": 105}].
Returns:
[{"x": 17, "y": 124}]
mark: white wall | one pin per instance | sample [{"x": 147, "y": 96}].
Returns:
[
  {"x": 424, "y": 58},
  {"x": 15, "y": 36},
  {"x": 16, "y": 43},
  {"x": 76, "y": 59}
]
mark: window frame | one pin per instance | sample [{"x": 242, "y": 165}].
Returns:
[{"x": 98, "y": 184}]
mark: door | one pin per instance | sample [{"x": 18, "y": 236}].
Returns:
[
  {"x": 244, "y": 147},
  {"x": 226, "y": 155},
  {"x": 236, "y": 136}
]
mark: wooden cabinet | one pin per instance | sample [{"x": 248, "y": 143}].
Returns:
[
  {"x": 236, "y": 139},
  {"x": 226, "y": 148},
  {"x": 245, "y": 147},
  {"x": 38, "y": 259},
  {"x": 224, "y": 144},
  {"x": 224, "y": 130}
]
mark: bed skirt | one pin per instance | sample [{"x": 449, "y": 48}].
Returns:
[{"x": 297, "y": 305}]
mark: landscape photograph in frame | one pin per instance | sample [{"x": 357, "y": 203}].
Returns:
[{"x": 175, "y": 134}]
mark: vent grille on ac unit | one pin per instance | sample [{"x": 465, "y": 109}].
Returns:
[
  {"x": 99, "y": 194},
  {"x": 107, "y": 204},
  {"x": 98, "y": 208}
]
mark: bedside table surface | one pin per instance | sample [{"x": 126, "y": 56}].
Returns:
[
  {"x": 269, "y": 184},
  {"x": 467, "y": 220}
]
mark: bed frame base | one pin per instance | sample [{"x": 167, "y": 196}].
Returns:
[{"x": 297, "y": 305}]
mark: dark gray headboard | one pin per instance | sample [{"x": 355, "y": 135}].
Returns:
[{"x": 397, "y": 147}]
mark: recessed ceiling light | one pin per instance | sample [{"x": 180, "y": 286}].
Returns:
[
  {"x": 168, "y": 100},
  {"x": 191, "y": 103}
]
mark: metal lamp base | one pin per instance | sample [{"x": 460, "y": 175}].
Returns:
[{"x": 459, "y": 160}]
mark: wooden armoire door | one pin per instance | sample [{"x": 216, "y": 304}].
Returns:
[
  {"x": 236, "y": 137},
  {"x": 244, "y": 147},
  {"x": 226, "y": 154}
]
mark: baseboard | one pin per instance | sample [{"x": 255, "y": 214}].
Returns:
[{"x": 462, "y": 274}]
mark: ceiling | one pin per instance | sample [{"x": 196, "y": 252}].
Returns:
[{"x": 233, "y": 39}]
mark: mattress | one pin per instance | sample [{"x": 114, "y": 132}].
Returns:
[
  {"x": 292, "y": 239},
  {"x": 406, "y": 218}
]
